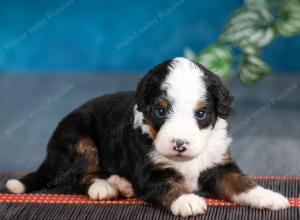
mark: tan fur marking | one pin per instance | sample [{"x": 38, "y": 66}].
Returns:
[
  {"x": 226, "y": 158},
  {"x": 175, "y": 191},
  {"x": 199, "y": 105},
  {"x": 163, "y": 103},
  {"x": 235, "y": 183},
  {"x": 152, "y": 131},
  {"x": 174, "y": 186},
  {"x": 157, "y": 167},
  {"x": 88, "y": 149}
]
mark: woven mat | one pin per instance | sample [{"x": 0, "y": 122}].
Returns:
[{"x": 52, "y": 204}]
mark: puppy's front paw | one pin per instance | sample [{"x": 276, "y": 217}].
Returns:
[
  {"x": 272, "y": 200},
  {"x": 188, "y": 204},
  {"x": 101, "y": 189},
  {"x": 263, "y": 199}
]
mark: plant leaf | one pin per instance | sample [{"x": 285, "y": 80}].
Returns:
[
  {"x": 288, "y": 18},
  {"x": 252, "y": 68},
  {"x": 249, "y": 25},
  {"x": 218, "y": 59}
]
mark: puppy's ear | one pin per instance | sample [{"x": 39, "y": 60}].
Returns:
[
  {"x": 142, "y": 90},
  {"x": 220, "y": 93},
  {"x": 149, "y": 86}
]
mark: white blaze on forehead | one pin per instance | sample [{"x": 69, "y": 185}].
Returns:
[
  {"x": 185, "y": 87},
  {"x": 185, "y": 84}
]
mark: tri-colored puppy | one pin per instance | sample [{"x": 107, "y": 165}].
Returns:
[{"x": 164, "y": 143}]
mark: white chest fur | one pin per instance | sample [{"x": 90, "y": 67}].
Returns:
[{"x": 191, "y": 170}]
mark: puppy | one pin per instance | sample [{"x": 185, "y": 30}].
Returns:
[{"x": 164, "y": 143}]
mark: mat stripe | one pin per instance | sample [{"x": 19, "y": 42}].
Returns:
[
  {"x": 79, "y": 199},
  {"x": 275, "y": 177}
]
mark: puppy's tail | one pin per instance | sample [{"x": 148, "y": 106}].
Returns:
[{"x": 31, "y": 182}]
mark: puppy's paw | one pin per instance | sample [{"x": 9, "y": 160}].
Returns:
[
  {"x": 188, "y": 205},
  {"x": 272, "y": 200},
  {"x": 121, "y": 184},
  {"x": 15, "y": 186},
  {"x": 101, "y": 189},
  {"x": 263, "y": 199}
]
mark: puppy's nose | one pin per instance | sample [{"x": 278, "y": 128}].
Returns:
[
  {"x": 179, "y": 142},
  {"x": 179, "y": 145}
]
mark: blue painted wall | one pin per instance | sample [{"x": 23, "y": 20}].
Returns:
[{"x": 84, "y": 35}]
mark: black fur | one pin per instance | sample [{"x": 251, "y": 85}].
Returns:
[
  {"x": 122, "y": 149},
  {"x": 219, "y": 92},
  {"x": 148, "y": 88}
]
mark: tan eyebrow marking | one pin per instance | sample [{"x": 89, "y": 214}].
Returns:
[
  {"x": 163, "y": 103},
  {"x": 199, "y": 105}
]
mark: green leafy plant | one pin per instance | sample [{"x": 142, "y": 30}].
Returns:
[{"x": 251, "y": 28}]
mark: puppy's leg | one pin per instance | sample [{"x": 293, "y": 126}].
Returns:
[
  {"x": 228, "y": 182},
  {"x": 96, "y": 187},
  {"x": 183, "y": 203},
  {"x": 164, "y": 186},
  {"x": 259, "y": 197}
]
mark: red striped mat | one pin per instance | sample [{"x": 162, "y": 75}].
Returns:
[{"x": 80, "y": 199}]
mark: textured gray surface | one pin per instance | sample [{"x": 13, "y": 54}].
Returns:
[{"x": 265, "y": 123}]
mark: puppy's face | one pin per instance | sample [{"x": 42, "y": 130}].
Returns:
[{"x": 181, "y": 101}]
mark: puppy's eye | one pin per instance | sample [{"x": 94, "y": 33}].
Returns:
[
  {"x": 160, "y": 112},
  {"x": 200, "y": 114}
]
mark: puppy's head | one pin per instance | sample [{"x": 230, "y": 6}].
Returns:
[{"x": 180, "y": 102}]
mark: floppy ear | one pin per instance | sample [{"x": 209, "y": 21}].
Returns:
[
  {"x": 220, "y": 93},
  {"x": 149, "y": 86},
  {"x": 141, "y": 92}
]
